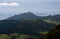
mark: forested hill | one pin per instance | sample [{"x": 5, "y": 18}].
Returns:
[
  {"x": 24, "y": 26},
  {"x": 28, "y": 24}
]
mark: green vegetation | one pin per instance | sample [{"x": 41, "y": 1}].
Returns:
[
  {"x": 17, "y": 36},
  {"x": 25, "y": 29},
  {"x": 4, "y": 36},
  {"x": 49, "y": 21},
  {"x": 44, "y": 32},
  {"x": 54, "y": 22}
]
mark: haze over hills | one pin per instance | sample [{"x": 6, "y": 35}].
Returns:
[
  {"x": 24, "y": 16},
  {"x": 30, "y": 16}
]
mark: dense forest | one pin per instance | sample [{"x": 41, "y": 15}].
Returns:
[{"x": 29, "y": 26}]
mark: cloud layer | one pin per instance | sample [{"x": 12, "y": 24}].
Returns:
[
  {"x": 9, "y": 4},
  {"x": 47, "y": 7}
]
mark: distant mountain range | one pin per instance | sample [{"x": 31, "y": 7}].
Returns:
[{"x": 30, "y": 16}]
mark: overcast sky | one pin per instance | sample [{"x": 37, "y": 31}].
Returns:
[{"x": 38, "y": 7}]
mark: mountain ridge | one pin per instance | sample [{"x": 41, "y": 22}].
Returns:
[
  {"x": 23, "y": 16},
  {"x": 31, "y": 16}
]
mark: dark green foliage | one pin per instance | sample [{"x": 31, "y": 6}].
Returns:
[
  {"x": 54, "y": 33},
  {"x": 29, "y": 27},
  {"x": 7, "y": 25}
]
